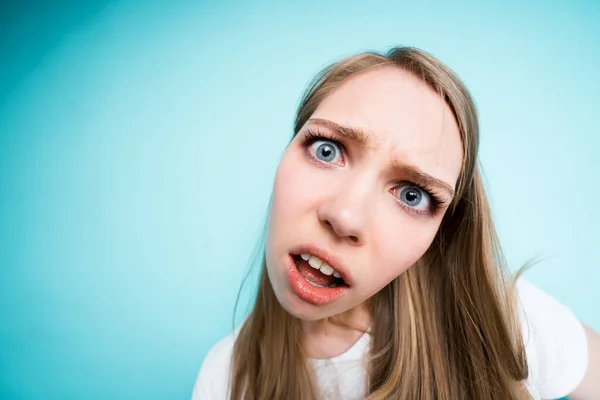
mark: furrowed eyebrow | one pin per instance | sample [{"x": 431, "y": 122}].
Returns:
[
  {"x": 364, "y": 138},
  {"x": 415, "y": 175},
  {"x": 360, "y": 136}
]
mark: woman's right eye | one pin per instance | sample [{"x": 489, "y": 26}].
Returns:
[{"x": 326, "y": 151}]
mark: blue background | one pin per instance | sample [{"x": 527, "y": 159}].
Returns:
[{"x": 139, "y": 140}]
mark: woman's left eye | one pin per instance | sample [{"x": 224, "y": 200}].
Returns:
[
  {"x": 413, "y": 197},
  {"x": 326, "y": 151}
]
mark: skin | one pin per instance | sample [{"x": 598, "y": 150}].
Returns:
[{"x": 354, "y": 205}]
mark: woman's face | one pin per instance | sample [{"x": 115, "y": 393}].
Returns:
[{"x": 363, "y": 186}]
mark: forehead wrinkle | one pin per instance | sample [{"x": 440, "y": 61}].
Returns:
[
  {"x": 413, "y": 167},
  {"x": 366, "y": 139},
  {"x": 420, "y": 148}
]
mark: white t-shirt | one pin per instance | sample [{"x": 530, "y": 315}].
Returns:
[{"x": 555, "y": 344}]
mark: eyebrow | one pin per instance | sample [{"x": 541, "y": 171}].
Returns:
[
  {"x": 416, "y": 175},
  {"x": 357, "y": 135},
  {"x": 364, "y": 138}
]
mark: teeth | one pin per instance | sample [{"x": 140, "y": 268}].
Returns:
[
  {"x": 315, "y": 262},
  {"x": 326, "y": 269},
  {"x": 319, "y": 264}
]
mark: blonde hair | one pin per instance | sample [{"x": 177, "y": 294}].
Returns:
[{"x": 447, "y": 328}]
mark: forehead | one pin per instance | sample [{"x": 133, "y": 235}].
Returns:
[{"x": 406, "y": 119}]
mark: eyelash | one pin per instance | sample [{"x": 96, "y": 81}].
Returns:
[{"x": 311, "y": 136}]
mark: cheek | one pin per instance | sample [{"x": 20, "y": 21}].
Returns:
[
  {"x": 285, "y": 194},
  {"x": 400, "y": 245},
  {"x": 291, "y": 195}
]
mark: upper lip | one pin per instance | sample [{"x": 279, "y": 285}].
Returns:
[{"x": 322, "y": 253}]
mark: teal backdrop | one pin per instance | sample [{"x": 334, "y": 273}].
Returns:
[{"x": 139, "y": 140}]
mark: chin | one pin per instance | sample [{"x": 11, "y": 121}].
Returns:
[{"x": 303, "y": 311}]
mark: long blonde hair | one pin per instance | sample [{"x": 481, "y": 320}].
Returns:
[{"x": 447, "y": 328}]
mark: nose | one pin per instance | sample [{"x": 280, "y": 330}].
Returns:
[{"x": 344, "y": 214}]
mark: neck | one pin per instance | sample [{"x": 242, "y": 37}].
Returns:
[{"x": 333, "y": 336}]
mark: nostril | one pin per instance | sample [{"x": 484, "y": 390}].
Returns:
[{"x": 339, "y": 230}]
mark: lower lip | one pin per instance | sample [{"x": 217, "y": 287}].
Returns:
[{"x": 309, "y": 293}]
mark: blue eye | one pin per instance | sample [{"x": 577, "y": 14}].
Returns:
[
  {"x": 414, "y": 197},
  {"x": 325, "y": 151}
]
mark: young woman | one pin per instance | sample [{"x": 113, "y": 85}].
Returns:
[{"x": 382, "y": 276}]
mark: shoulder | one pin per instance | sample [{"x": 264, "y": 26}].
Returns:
[
  {"x": 212, "y": 381},
  {"x": 555, "y": 342}
]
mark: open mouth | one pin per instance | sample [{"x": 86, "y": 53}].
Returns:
[{"x": 317, "y": 273}]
